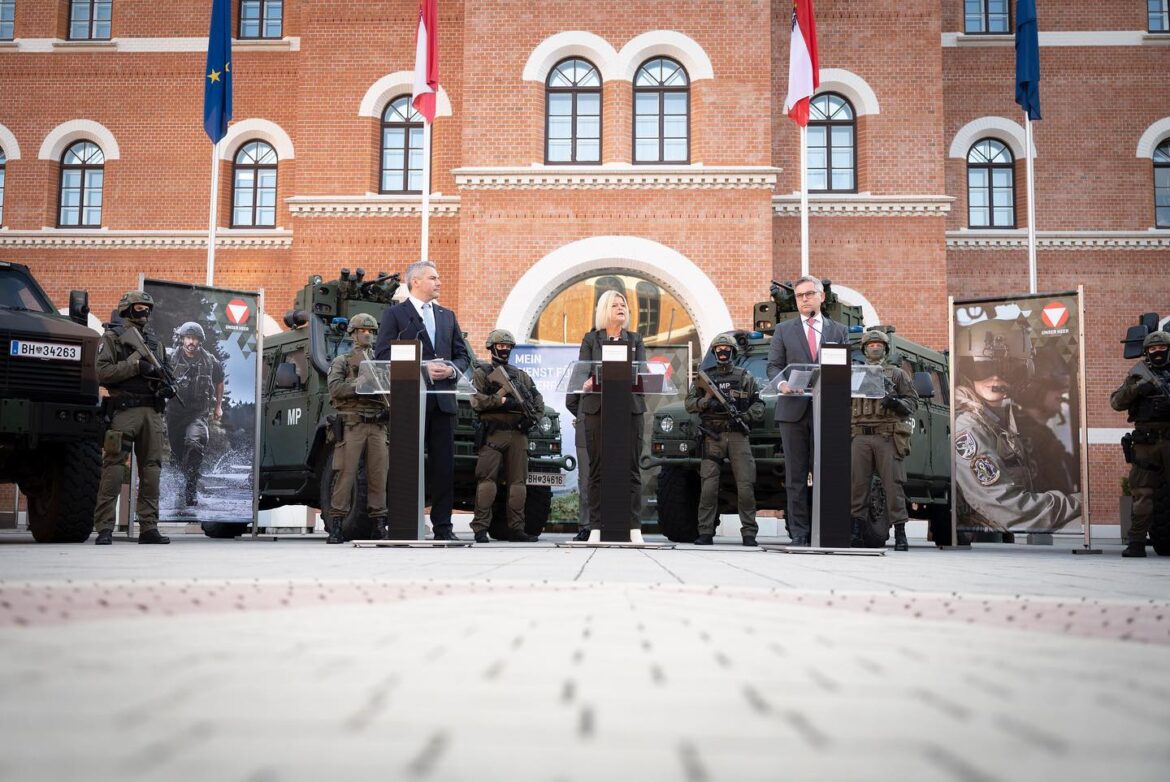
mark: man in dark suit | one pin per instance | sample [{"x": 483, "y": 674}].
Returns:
[
  {"x": 418, "y": 317},
  {"x": 798, "y": 341}
]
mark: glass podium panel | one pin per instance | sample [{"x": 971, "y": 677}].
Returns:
[
  {"x": 374, "y": 378},
  {"x": 868, "y": 381},
  {"x": 650, "y": 378}
]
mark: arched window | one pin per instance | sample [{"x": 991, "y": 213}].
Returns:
[
  {"x": 3, "y": 167},
  {"x": 573, "y": 113},
  {"x": 649, "y": 305},
  {"x": 82, "y": 177},
  {"x": 986, "y": 16},
  {"x": 832, "y": 144},
  {"x": 402, "y": 148},
  {"x": 661, "y": 112},
  {"x": 89, "y": 20},
  {"x": 7, "y": 19},
  {"x": 254, "y": 186},
  {"x": 991, "y": 199},
  {"x": 261, "y": 18},
  {"x": 1162, "y": 185},
  {"x": 1159, "y": 15}
]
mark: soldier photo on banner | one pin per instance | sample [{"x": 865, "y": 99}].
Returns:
[
  {"x": 1017, "y": 414},
  {"x": 212, "y": 341}
]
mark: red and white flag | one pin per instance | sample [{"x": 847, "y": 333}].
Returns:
[
  {"x": 426, "y": 60},
  {"x": 804, "y": 72}
]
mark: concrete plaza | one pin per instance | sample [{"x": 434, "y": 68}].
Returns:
[{"x": 267, "y": 660}]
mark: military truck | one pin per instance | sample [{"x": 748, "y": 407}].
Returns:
[
  {"x": 673, "y": 444},
  {"x": 296, "y": 466},
  {"x": 51, "y": 424},
  {"x": 1147, "y": 323}
]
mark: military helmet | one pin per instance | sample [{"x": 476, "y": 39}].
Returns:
[
  {"x": 995, "y": 348},
  {"x": 500, "y": 336},
  {"x": 873, "y": 335},
  {"x": 724, "y": 339},
  {"x": 362, "y": 321},
  {"x": 191, "y": 329},
  {"x": 1156, "y": 338},
  {"x": 130, "y": 298}
]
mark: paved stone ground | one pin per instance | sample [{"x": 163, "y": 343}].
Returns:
[{"x": 265, "y": 661}]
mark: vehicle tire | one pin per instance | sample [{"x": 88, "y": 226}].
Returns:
[
  {"x": 876, "y": 528},
  {"x": 537, "y": 506},
  {"x": 939, "y": 521},
  {"x": 678, "y": 503},
  {"x": 223, "y": 530},
  {"x": 356, "y": 525},
  {"x": 61, "y": 505}
]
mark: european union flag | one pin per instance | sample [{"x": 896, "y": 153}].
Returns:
[
  {"x": 1027, "y": 59},
  {"x": 217, "y": 78}
]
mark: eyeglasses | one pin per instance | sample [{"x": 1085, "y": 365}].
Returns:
[{"x": 807, "y": 294}]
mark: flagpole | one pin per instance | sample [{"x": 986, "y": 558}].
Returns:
[
  {"x": 426, "y": 193},
  {"x": 803, "y": 200},
  {"x": 1031, "y": 205},
  {"x": 211, "y": 214}
]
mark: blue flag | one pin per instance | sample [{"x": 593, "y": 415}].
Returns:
[
  {"x": 1027, "y": 59},
  {"x": 217, "y": 78}
]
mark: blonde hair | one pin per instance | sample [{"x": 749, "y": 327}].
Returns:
[{"x": 601, "y": 317}]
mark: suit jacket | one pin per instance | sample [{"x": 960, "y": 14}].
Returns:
[
  {"x": 590, "y": 404},
  {"x": 790, "y": 346},
  {"x": 402, "y": 321}
]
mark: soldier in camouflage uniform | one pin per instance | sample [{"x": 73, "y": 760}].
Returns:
[
  {"x": 137, "y": 398},
  {"x": 364, "y": 419},
  {"x": 723, "y": 436},
  {"x": 1145, "y": 394},
  {"x": 994, "y": 467},
  {"x": 881, "y": 440},
  {"x": 504, "y": 432},
  {"x": 199, "y": 382}
]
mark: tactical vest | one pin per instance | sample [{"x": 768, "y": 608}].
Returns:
[
  {"x": 361, "y": 403},
  {"x": 137, "y": 385},
  {"x": 1153, "y": 409},
  {"x": 869, "y": 411},
  {"x": 195, "y": 381},
  {"x": 730, "y": 382},
  {"x": 503, "y": 419}
]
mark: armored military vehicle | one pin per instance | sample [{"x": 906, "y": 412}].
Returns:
[
  {"x": 50, "y": 416},
  {"x": 928, "y": 467},
  {"x": 296, "y": 466}
]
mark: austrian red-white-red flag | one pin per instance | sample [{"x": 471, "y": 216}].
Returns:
[
  {"x": 804, "y": 72},
  {"x": 426, "y": 60}
]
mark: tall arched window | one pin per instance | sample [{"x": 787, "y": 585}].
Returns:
[
  {"x": 89, "y": 20},
  {"x": 573, "y": 113},
  {"x": 82, "y": 177},
  {"x": 3, "y": 168},
  {"x": 832, "y": 144},
  {"x": 402, "y": 148},
  {"x": 261, "y": 18},
  {"x": 661, "y": 112},
  {"x": 986, "y": 16},
  {"x": 1162, "y": 185},
  {"x": 254, "y": 186},
  {"x": 649, "y": 306},
  {"x": 991, "y": 199}
]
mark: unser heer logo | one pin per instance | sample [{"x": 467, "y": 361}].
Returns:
[
  {"x": 1055, "y": 316},
  {"x": 237, "y": 312}
]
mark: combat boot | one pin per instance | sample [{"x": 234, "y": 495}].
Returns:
[
  {"x": 189, "y": 493},
  {"x": 1134, "y": 550},
  {"x": 152, "y": 536},
  {"x": 749, "y": 540},
  {"x": 520, "y": 536},
  {"x": 381, "y": 530},
  {"x": 582, "y": 535},
  {"x": 900, "y": 542},
  {"x": 333, "y": 527},
  {"x": 856, "y": 541},
  {"x": 482, "y": 537},
  {"x": 105, "y": 538},
  {"x": 705, "y": 540}
]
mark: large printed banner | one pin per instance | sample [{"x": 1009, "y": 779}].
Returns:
[
  {"x": 212, "y": 336},
  {"x": 1018, "y": 413}
]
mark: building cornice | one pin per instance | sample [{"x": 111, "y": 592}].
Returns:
[
  {"x": 65, "y": 46},
  {"x": 372, "y": 204},
  {"x": 102, "y": 238},
  {"x": 966, "y": 239},
  {"x": 1087, "y": 38},
  {"x": 862, "y": 204},
  {"x": 618, "y": 176}
]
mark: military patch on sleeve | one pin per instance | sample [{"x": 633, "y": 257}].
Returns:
[
  {"x": 965, "y": 444},
  {"x": 986, "y": 470}
]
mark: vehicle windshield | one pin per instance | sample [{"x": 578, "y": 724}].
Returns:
[{"x": 17, "y": 292}]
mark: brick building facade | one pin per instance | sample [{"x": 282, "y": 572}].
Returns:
[{"x": 509, "y": 230}]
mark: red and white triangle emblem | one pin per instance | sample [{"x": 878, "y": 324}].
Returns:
[
  {"x": 1055, "y": 314},
  {"x": 237, "y": 311}
]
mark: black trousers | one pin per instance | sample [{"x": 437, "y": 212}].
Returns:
[
  {"x": 440, "y": 449},
  {"x": 797, "y": 439},
  {"x": 593, "y": 446}
]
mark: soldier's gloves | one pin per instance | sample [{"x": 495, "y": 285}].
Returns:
[
  {"x": 510, "y": 405},
  {"x": 490, "y": 388},
  {"x": 711, "y": 403},
  {"x": 147, "y": 369},
  {"x": 1146, "y": 388},
  {"x": 165, "y": 392},
  {"x": 890, "y": 402}
]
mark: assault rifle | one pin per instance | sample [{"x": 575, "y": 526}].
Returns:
[
  {"x": 707, "y": 386},
  {"x": 500, "y": 377},
  {"x": 166, "y": 378}
]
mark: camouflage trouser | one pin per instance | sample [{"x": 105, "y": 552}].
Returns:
[
  {"x": 735, "y": 447},
  {"x": 370, "y": 439},
  {"x": 140, "y": 429},
  {"x": 188, "y": 437},
  {"x": 877, "y": 453},
  {"x": 1148, "y": 474},
  {"x": 509, "y": 448}
]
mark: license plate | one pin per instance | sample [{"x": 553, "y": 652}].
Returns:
[
  {"x": 546, "y": 479},
  {"x": 46, "y": 350}
]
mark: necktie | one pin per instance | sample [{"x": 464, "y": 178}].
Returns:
[
  {"x": 812, "y": 340},
  {"x": 428, "y": 315}
]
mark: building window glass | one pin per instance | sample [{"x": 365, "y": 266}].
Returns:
[
  {"x": 573, "y": 113},
  {"x": 832, "y": 134},
  {"x": 254, "y": 186},
  {"x": 991, "y": 201},
  {"x": 1162, "y": 185},
  {"x": 261, "y": 18},
  {"x": 82, "y": 177},
  {"x": 649, "y": 306},
  {"x": 3, "y": 168},
  {"x": 987, "y": 16},
  {"x": 402, "y": 148},
  {"x": 89, "y": 20},
  {"x": 1159, "y": 12},
  {"x": 7, "y": 19},
  {"x": 661, "y": 112}
]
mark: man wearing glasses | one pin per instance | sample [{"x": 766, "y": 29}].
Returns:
[{"x": 798, "y": 341}]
